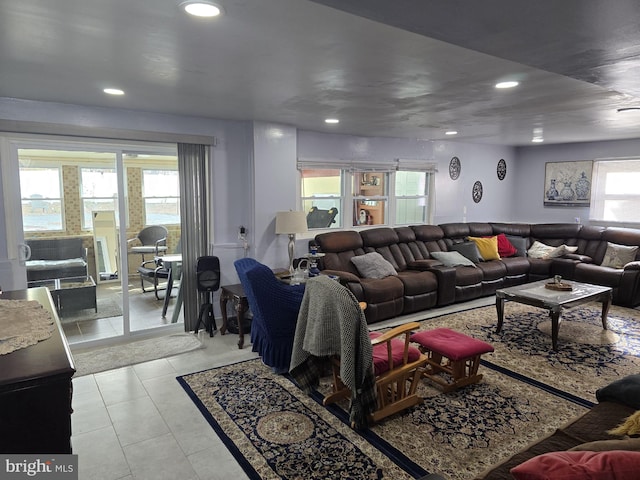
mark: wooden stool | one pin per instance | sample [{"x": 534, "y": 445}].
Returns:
[{"x": 453, "y": 353}]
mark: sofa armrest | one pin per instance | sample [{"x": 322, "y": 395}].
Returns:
[
  {"x": 446, "y": 284},
  {"x": 632, "y": 266},
  {"x": 576, "y": 256},
  {"x": 424, "y": 265},
  {"x": 345, "y": 277}
]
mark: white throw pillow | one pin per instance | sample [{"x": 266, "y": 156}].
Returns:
[
  {"x": 373, "y": 265},
  {"x": 540, "y": 250},
  {"x": 617, "y": 256}
]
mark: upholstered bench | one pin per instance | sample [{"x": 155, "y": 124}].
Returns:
[{"x": 453, "y": 353}]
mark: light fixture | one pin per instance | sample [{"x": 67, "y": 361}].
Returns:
[
  {"x": 331, "y": 120},
  {"x": 201, "y": 8},
  {"x": 290, "y": 223},
  {"x": 113, "y": 91},
  {"x": 538, "y": 135},
  {"x": 451, "y": 132},
  {"x": 508, "y": 84}
]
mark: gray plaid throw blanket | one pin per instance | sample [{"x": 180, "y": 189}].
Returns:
[{"x": 330, "y": 323}]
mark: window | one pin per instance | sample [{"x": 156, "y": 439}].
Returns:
[
  {"x": 398, "y": 193},
  {"x": 370, "y": 198},
  {"x": 615, "y": 196},
  {"x": 41, "y": 198},
  {"x": 322, "y": 197},
  {"x": 98, "y": 192},
  {"x": 161, "y": 196},
  {"x": 411, "y": 197}
]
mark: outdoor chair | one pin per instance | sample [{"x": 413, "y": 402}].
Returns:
[
  {"x": 378, "y": 372},
  {"x": 154, "y": 271},
  {"x": 274, "y": 305},
  {"x": 152, "y": 240}
]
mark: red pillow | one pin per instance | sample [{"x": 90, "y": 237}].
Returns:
[
  {"x": 505, "y": 247},
  {"x": 381, "y": 359},
  {"x": 611, "y": 465}
]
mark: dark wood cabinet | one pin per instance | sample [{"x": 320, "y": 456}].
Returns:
[{"x": 36, "y": 389}]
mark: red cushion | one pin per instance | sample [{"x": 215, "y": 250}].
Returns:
[
  {"x": 505, "y": 247},
  {"x": 381, "y": 358},
  {"x": 611, "y": 465},
  {"x": 453, "y": 345}
]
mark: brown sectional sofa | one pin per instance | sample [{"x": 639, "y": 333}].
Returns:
[
  {"x": 616, "y": 402},
  {"x": 423, "y": 282}
]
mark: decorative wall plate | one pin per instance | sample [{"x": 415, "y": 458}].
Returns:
[
  {"x": 476, "y": 192},
  {"x": 502, "y": 169},
  {"x": 454, "y": 168}
]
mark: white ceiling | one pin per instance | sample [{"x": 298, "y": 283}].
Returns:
[{"x": 403, "y": 68}]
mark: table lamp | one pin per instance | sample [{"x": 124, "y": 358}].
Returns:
[{"x": 290, "y": 223}]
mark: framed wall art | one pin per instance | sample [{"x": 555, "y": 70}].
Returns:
[{"x": 567, "y": 184}]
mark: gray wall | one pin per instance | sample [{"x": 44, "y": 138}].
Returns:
[
  {"x": 529, "y": 176},
  {"x": 479, "y": 162}
]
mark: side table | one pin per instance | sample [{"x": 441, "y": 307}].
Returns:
[{"x": 235, "y": 293}]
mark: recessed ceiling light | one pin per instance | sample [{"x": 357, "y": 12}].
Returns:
[
  {"x": 451, "y": 132},
  {"x": 331, "y": 120},
  {"x": 509, "y": 84},
  {"x": 113, "y": 91},
  {"x": 538, "y": 135},
  {"x": 201, "y": 8}
]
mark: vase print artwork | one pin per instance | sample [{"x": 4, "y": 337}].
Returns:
[
  {"x": 582, "y": 187},
  {"x": 552, "y": 193},
  {"x": 567, "y": 192}
]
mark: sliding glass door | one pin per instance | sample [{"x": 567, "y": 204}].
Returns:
[{"x": 83, "y": 209}]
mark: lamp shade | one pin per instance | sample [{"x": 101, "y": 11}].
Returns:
[{"x": 291, "y": 222}]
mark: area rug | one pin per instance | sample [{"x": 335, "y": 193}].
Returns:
[
  {"x": 588, "y": 357},
  {"x": 275, "y": 431},
  {"x": 107, "y": 307},
  {"x": 116, "y": 356}
]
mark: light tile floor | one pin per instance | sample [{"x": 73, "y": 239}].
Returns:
[{"x": 138, "y": 423}]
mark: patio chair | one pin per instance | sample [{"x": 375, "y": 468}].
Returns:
[{"x": 152, "y": 240}]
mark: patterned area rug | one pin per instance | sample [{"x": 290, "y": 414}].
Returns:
[
  {"x": 588, "y": 356},
  {"x": 275, "y": 431}
]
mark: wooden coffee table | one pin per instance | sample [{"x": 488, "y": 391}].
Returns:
[{"x": 537, "y": 295}]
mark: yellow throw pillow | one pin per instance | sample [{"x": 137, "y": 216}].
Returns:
[
  {"x": 487, "y": 246},
  {"x": 630, "y": 426}
]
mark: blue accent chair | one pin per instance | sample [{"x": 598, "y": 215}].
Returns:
[{"x": 275, "y": 306}]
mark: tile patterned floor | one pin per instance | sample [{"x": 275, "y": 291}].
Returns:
[{"x": 138, "y": 423}]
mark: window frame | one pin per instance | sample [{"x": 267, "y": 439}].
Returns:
[
  {"x": 351, "y": 172},
  {"x": 144, "y": 197},
  {"x": 111, "y": 169},
  {"x": 599, "y": 196},
  {"x": 61, "y": 199},
  {"x": 427, "y": 196}
]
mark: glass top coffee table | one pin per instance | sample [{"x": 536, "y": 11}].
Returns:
[
  {"x": 70, "y": 294},
  {"x": 538, "y": 295}
]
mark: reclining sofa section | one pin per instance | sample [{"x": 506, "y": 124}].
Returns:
[{"x": 422, "y": 282}]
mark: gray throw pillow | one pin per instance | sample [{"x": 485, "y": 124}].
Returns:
[
  {"x": 452, "y": 259},
  {"x": 373, "y": 265},
  {"x": 468, "y": 250},
  {"x": 520, "y": 243}
]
